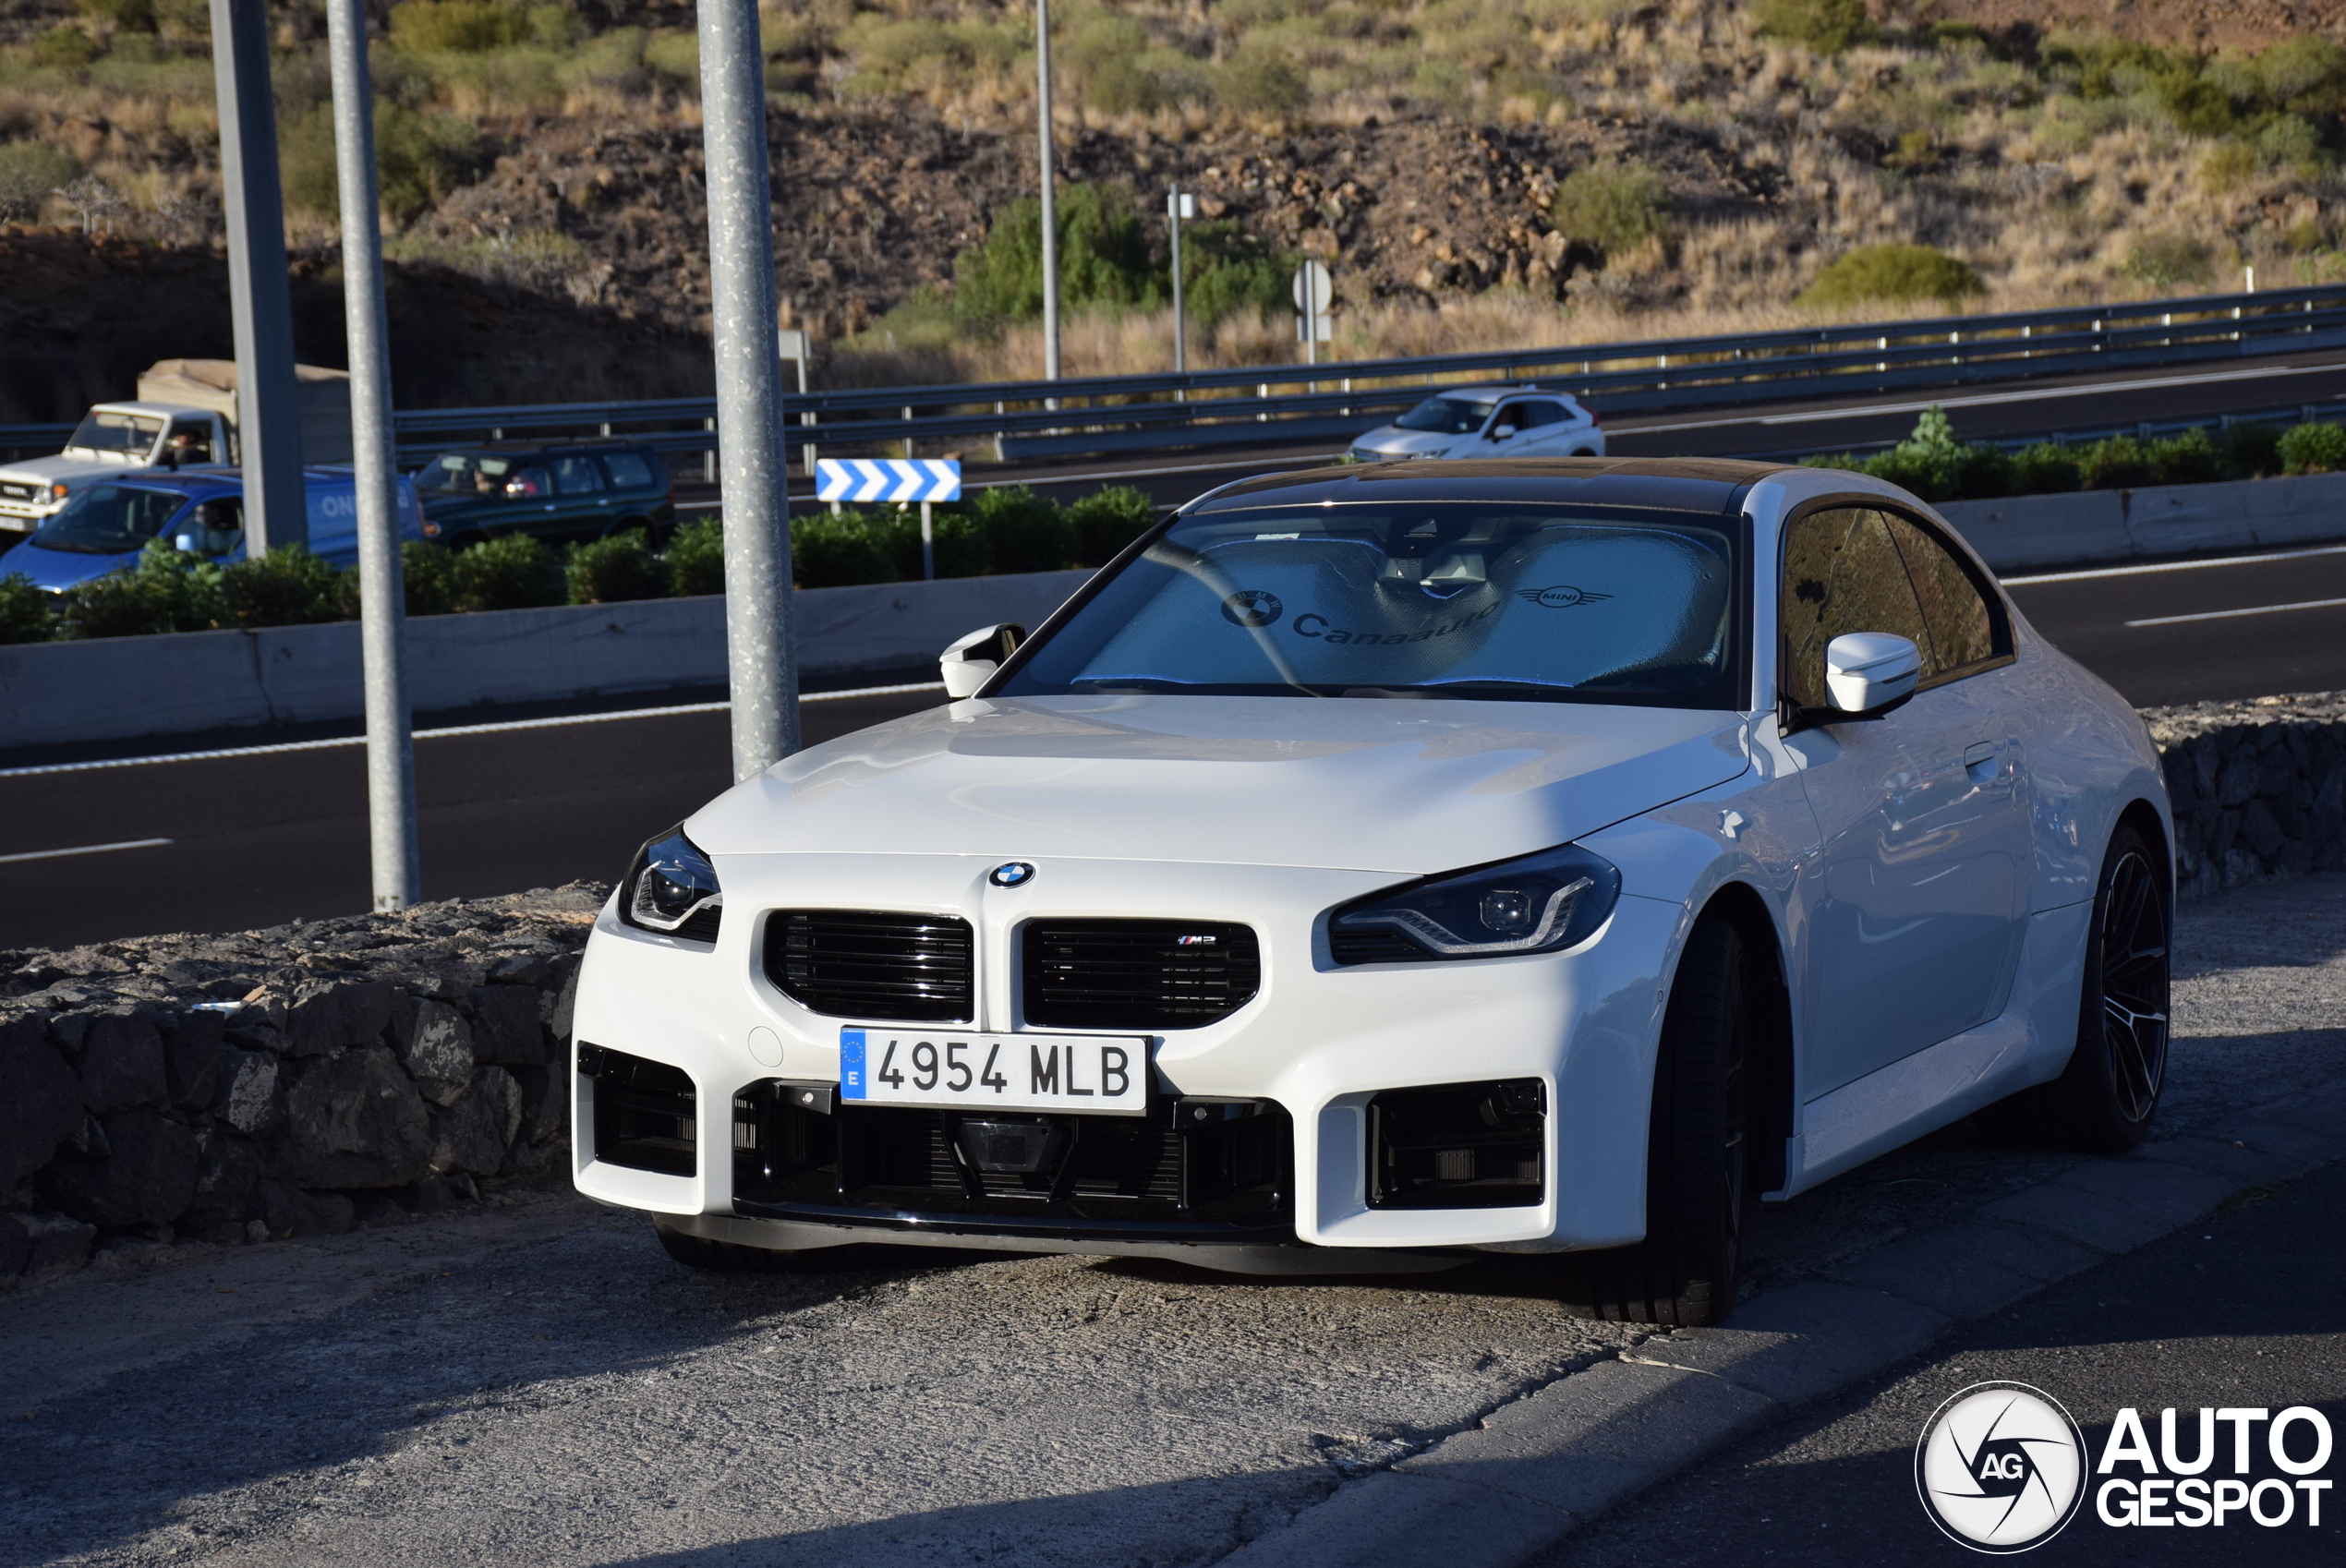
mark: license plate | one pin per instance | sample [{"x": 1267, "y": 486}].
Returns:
[{"x": 1096, "y": 1075}]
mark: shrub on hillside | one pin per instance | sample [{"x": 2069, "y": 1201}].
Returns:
[
  {"x": 29, "y": 171},
  {"x": 64, "y": 47},
  {"x": 696, "y": 557},
  {"x": 2191, "y": 458},
  {"x": 2169, "y": 261},
  {"x": 27, "y": 614},
  {"x": 2046, "y": 468},
  {"x": 1226, "y": 271},
  {"x": 129, "y": 16},
  {"x": 1826, "y": 26},
  {"x": 2117, "y": 463},
  {"x": 1262, "y": 79},
  {"x": 1612, "y": 205},
  {"x": 2313, "y": 449},
  {"x": 617, "y": 568},
  {"x": 418, "y": 160},
  {"x": 1893, "y": 273},
  {"x": 458, "y": 27},
  {"x": 1106, "y": 521},
  {"x": 1103, "y": 250}
]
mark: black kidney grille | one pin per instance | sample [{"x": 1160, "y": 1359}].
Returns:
[
  {"x": 872, "y": 964},
  {"x": 1137, "y": 973}
]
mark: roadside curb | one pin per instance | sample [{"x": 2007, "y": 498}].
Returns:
[{"x": 1535, "y": 1470}]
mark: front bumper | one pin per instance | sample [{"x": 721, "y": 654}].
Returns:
[{"x": 1314, "y": 1048}]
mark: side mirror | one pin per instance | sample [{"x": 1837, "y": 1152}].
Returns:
[
  {"x": 1869, "y": 673},
  {"x": 972, "y": 661}
]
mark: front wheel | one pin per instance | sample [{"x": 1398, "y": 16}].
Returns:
[
  {"x": 2104, "y": 1100},
  {"x": 1697, "y": 1191}
]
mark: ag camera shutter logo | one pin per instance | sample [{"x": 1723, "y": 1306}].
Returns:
[{"x": 2001, "y": 1467}]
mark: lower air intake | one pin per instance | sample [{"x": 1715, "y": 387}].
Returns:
[{"x": 646, "y": 1116}]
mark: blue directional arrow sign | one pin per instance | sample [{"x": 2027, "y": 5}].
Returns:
[{"x": 861, "y": 479}]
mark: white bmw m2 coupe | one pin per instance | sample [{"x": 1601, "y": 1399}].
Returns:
[{"x": 1377, "y": 864}]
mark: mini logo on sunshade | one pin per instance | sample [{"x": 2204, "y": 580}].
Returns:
[{"x": 1563, "y": 596}]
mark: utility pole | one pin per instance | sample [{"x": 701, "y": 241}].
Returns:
[
  {"x": 759, "y": 660},
  {"x": 1050, "y": 193},
  {"x": 1178, "y": 206},
  {"x": 259, "y": 298},
  {"x": 383, "y": 608}
]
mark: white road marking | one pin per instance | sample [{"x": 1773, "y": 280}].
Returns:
[
  {"x": 440, "y": 734},
  {"x": 2089, "y": 575},
  {"x": 2226, "y": 614},
  {"x": 84, "y": 849}
]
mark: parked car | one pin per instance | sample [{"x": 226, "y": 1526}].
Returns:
[
  {"x": 1375, "y": 866},
  {"x": 106, "y": 525},
  {"x": 559, "y": 493},
  {"x": 111, "y": 438},
  {"x": 1488, "y": 422}
]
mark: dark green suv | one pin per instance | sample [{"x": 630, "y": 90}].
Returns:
[{"x": 558, "y": 493}]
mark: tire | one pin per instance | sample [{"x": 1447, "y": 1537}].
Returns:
[
  {"x": 721, "y": 1257},
  {"x": 2105, "y": 1099},
  {"x": 1699, "y": 1194}
]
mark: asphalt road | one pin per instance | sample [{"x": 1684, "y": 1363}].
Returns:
[
  {"x": 540, "y": 1385},
  {"x": 2239, "y": 1312},
  {"x": 241, "y": 841}
]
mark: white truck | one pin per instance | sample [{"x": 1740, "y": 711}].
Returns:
[{"x": 185, "y": 414}]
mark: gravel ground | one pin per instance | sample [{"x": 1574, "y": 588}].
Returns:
[{"x": 540, "y": 1384}]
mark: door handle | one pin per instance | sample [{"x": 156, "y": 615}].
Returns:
[{"x": 1980, "y": 761}]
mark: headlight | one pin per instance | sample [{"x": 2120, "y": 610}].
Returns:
[
  {"x": 671, "y": 888},
  {"x": 1542, "y": 903}
]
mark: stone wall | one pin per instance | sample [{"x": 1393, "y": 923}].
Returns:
[
  {"x": 2259, "y": 789},
  {"x": 172, "y": 1094},
  {"x": 175, "y": 1093}
]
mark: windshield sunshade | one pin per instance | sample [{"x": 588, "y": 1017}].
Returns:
[
  {"x": 1457, "y": 599},
  {"x": 109, "y": 520}
]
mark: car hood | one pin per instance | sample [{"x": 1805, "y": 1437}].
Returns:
[
  {"x": 48, "y": 470},
  {"x": 57, "y": 570},
  {"x": 1395, "y": 442},
  {"x": 1366, "y": 784}
]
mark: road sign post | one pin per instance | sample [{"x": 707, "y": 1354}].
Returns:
[
  {"x": 1315, "y": 291},
  {"x": 897, "y": 480},
  {"x": 260, "y": 292},
  {"x": 758, "y": 656},
  {"x": 1179, "y": 204},
  {"x": 1050, "y": 191},
  {"x": 382, "y": 637}
]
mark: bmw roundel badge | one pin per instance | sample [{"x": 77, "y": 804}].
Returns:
[{"x": 1011, "y": 874}]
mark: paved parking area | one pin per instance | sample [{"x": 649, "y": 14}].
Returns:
[{"x": 540, "y": 1384}]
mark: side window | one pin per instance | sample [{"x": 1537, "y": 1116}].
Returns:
[
  {"x": 1538, "y": 414},
  {"x": 575, "y": 475},
  {"x": 528, "y": 481},
  {"x": 197, "y": 444},
  {"x": 1841, "y": 573},
  {"x": 1962, "y": 629},
  {"x": 629, "y": 470},
  {"x": 1512, "y": 417}
]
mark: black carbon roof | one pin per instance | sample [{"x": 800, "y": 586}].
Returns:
[{"x": 1677, "y": 484}]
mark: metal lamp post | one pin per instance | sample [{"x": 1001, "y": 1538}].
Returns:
[
  {"x": 1179, "y": 204},
  {"x": 1050, "y": 194},
  {"x": 391, "y": 750},
  {"x": 751, "y": 457}
]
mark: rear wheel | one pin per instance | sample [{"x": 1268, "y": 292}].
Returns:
[
  {"x": 1698, "y": 1192},
  {"x": 2104, "y": 1100},
  {"x": 721, "y": 1257}
]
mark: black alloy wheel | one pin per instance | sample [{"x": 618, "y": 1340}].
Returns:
[
  {"x": 2104, "y": 1100},
  {"x": 1699, "y": 1194}
]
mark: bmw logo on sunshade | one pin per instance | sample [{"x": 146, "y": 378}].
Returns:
[{"x": 1011, "y": 874}]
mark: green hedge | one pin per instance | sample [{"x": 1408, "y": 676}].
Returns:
[
  {"x": 1005, "y": 528},
  {"x": 1936, "y": 467}
]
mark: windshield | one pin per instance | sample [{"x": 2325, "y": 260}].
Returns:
[
  {"x": 130, "y": 434},
  {"x": 1453, "y": 599},
  {"x": 1448, "y": 416},
  {"x": 464, "y": 473},
  {"x": 109, "y": 520}
]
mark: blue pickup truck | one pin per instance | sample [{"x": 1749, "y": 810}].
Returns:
[{"x": 106, "y": 525}]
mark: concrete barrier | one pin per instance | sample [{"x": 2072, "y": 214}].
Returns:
[
  {"x": 119, "y": 688},
  {"x": 2026, "y": 532}
]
